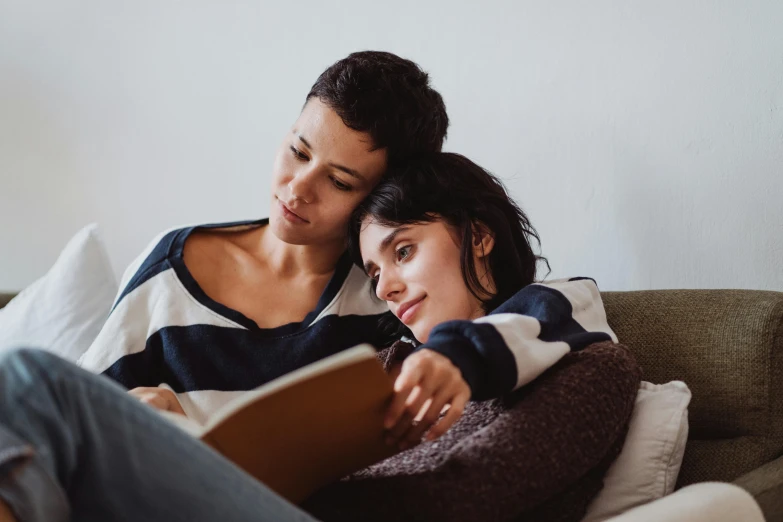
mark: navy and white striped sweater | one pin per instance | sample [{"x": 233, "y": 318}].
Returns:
[{"x": 165, "y": 331}]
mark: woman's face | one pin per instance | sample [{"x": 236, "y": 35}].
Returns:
[
  {"x": 322, "y": 171},
  {"x": 416, "y": 269}
]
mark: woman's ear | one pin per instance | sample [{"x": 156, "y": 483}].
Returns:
[{"x": 483, "y": 240}]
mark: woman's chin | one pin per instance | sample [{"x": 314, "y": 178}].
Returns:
[
  {"x": 421, "y": 334},
  {"x": 285, "y": 233},
  {"x": 305, "y": 234}
]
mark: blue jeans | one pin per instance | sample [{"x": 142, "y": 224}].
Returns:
[{"x": 74, "y": 445}]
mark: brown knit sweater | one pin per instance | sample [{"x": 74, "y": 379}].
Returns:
[{"x": 539, "y": 453}]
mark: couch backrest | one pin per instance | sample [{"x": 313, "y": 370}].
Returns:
[{"x": 727, "y": 345}]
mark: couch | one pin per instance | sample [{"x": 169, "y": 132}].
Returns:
[{"x": 727, "y": 345}]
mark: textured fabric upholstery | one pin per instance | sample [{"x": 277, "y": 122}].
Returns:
[{"x": 727, "y": 345}]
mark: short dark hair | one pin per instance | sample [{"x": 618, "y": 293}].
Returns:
[
  {"x": 449, "y": 186},
  {"x": 389, "y": 98}
]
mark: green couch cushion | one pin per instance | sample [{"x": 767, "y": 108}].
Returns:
[{"x": 727, "y": 346}]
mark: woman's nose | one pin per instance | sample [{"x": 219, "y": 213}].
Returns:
[
  {"x": 301, "y": 186},
  {"x": 389, "y": 285}
]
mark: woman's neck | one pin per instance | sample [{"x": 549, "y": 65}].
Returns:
[
  {"x": 478, "y": 311},
  {"x": 287, "y": 260}
]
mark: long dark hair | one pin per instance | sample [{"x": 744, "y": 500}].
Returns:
[{"x": 450, "y": 187}]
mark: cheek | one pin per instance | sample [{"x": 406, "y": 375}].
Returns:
[
  {"x": 281, "y": 170},
  {"x": 454, "y": 298},
  {"x": 339, "y": 204},
  {"x": 334, "y": 209}
]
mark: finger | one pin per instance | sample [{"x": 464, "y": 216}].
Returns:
[
  {"x": 415, "y": 409},
  {"x": 409, "y": 378},
  {"x": 453, "y": 414},
  {"x": 153, "y": 397},
  {"x": 138, "y": 392},
  {"x": 397, "y": 433},
  {"x": 416, "y": 402},
  {"x": 394, "y": 435},
  {"x": 437, "y": 385},
  {"x": 429, "y": 417},
  {"x": 175, "y": 406},
  {"x": 423, "y": 410},
  {"x": 169, "y": 401},
  {"x": 154, "y": 401},
  {"x": 405, "y": 419}
]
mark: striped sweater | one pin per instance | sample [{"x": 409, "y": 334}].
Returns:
[{"x": 164, "y": 330}]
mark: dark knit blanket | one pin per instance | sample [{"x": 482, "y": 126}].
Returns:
[{"x": 539, "y": 453}]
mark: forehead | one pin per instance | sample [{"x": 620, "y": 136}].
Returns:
[
  {"x": 373, "y": 237},
  {"x": 372, "y": 232},
  {"x": 335, "y": 142}
]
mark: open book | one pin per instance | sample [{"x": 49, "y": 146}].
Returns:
[{"x": 307, "y": 428}]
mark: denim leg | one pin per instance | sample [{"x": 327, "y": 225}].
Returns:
[{"x": 74, "y": 445}]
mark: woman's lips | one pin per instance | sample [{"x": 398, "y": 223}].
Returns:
[
  {"x": 290, "y": 215},
  {"x": 409, "y": 310}
]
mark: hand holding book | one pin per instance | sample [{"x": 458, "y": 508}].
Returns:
[
  {"x": 427, "y": 383},
  {"x": 158, "y": 397}
]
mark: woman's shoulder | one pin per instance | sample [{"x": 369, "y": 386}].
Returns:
[
  {"x": 209, "y": 243},
  {"x": 570, "y": 282},
  {"x": 576, "y": 290},
  {"x": 228, "y": 229},
  {"x": 171, "y": 243},
  {"x": 581, "y": 292}
]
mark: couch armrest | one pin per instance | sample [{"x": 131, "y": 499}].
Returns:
[
  {"x": 766, "y": 486},
  {"x": 702, "y": 502}
]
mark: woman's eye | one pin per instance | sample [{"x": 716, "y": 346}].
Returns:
[
  {"x": 374, "y": 282},
  {"x": 403, "y": 252},
  {"x": 298, "y": 153},
  {"x": 340, "y": 185}
]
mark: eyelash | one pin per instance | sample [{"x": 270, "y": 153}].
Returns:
[
  {"x": 406, "y": 247},
  {"x": 339, "y": 185},
  {"x": 298, "y": 153},
  {"x": 374, "y": 279}
]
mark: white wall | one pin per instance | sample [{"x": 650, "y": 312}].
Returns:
[{"x": 645, "y": 139}]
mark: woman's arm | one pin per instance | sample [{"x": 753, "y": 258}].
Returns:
[{"x": 524, "y": 336}]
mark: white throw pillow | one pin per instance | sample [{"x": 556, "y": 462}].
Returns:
[
  {"x": 63, "y": 311},
  {"x": 650, "y": 460}
]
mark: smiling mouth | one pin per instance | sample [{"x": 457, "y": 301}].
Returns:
[{"x": 408, "y": 310}]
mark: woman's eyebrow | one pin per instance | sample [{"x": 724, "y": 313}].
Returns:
[
  {"x": 301, "y": 138},
  {"x": 387, "y": 241},
  {"x": 348, "y": 171},
  {"x": 351, "y": 172},
  {"x": 369, "y": 265}
]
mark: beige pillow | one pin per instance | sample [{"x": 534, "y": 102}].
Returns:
[{"x": 650, "y": 460}]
